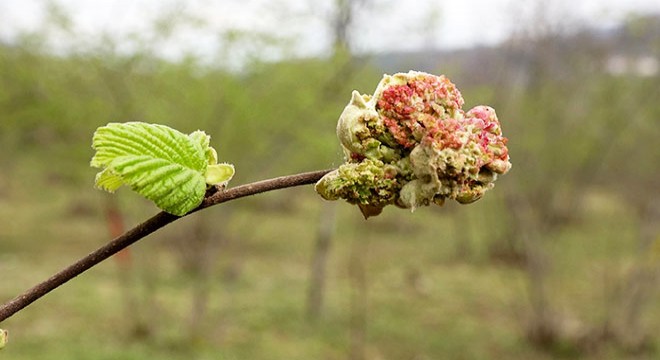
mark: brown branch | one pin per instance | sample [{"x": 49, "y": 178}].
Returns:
[{"x": 140, "y": 231}]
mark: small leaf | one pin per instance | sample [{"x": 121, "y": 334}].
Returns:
[
  {"x": 158, "y": 162},
  {"x": 219, "y": 174},
  {"x": 108, "y": 180}
]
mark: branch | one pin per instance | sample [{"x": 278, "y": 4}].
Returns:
[{"x": 140, "y": 231}]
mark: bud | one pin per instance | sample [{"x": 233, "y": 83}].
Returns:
[
  {"x": 370, "y": 184},
  {"x": 411, "y": 144},
  {"x": 4, "y": 337}
]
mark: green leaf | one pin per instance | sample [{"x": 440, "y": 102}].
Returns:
[
  {"x": 158, "y": 162},
  {"x": 108, "y": 180}
]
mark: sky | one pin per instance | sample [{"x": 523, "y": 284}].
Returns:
[{"x": 380, "y": 25}]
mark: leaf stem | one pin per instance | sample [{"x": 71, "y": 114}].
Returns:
[{"x": 147, "y": 227}]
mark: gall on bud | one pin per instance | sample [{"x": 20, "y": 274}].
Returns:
[{"x": 410, "y": 144}]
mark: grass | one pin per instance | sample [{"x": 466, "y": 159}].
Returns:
[{"x": 423, "y": 301}]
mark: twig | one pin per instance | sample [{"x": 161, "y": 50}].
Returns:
[{"x": 140, "y": 231}]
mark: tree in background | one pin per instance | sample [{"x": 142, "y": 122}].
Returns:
[{"x": 573, "y": 119}]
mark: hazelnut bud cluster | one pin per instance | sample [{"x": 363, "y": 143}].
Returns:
[{"x": 411, "y": 144}]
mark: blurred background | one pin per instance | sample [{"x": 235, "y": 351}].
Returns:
[{"x": 560, "y": 260}]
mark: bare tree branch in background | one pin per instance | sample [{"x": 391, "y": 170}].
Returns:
[
  {"x": 576, "y": 142},
  {"x": 341, "y": 24},
  {"x": 326, "y": 231},
  {"x": 358, "y": 298}
]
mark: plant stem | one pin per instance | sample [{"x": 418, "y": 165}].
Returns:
[{"x": 149, "y": 226}]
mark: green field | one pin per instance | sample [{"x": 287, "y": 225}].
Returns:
[{"x": 425, "y": 298}]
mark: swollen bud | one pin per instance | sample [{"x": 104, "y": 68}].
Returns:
[
  {"x": 411, "y": 144},
  {"x": 4, "y": 337}
]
